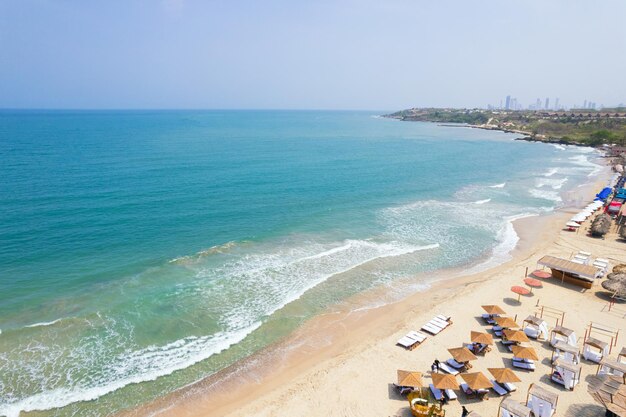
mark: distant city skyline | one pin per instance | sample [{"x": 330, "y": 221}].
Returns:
[
  {"x": 512, "y": 103},
  {"x": 285, "y": 54}
]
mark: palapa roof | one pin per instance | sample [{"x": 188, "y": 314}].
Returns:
[
  {"x": 504, "y": 375},
  {"x": 506, "y": 322},
  {"x": 543, "y": 393},
  {"x": 477, "y": 380},
  {"x": 534, "y": 320},
  {"x": 622, "y": 352},
  {"x": 566, "y": 347},
  {"x": 493, "y": 309},
  {"x": 613, "y": 364},
  {"x": 525, "y": 352},
  {"x": 596, "y": 343},
  {"x": 560, "y": 264},
  {"x": 572, "y": 367},
  {"x": 609, "y": 391},
  {"x": 512, "y": 406},
  {"x": 410, "y": 379},
  {"x": 462, "y": 354},
  {"x": 616, "y": 286},
  {"x": 515, "y": 335},
  {"x": 563, "y": 331},
  {"x": 445, "y": 381},
  {"x": 479, "y": 337}
]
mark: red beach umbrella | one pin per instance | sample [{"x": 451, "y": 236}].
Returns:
[
  {"x": 542, "y": 274},
  {"x": 520, "y": 291},
  {"x": 532, "y": 282}
]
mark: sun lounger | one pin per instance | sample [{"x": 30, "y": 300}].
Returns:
[
  {"x": 489, "y": 318},
  {"x": 467, "y": 390},
  {"x": 509, "y": 386},
  {"x": 507, "y": 342},
  {"x": 431, "y": 329},
  {"x": 450, "y": 394},
  {"x": 531, "y": 332},
  {"x": 436, "y": 392},
  {"x": 524, "y": 365},
  {"x": 498, "y": 389},
  {"x": 411, "y": 340},
  {"x": 593, "y": 356},
  {"x": 444, "y": 318},
  {"x": 403, "y": 390},
  {"x": 584, "y": 253},
  {"x": 455, "y": 364},
  {"x": 578, "y": 261},
  {"x": 440, "y": 323},
  {"x": 420, "y": 337},
  {"x": 523, "y": 360},
  {"x": 448, "y": 369}
]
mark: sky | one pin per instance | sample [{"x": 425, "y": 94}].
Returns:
[{"x": 321, "y": 54}]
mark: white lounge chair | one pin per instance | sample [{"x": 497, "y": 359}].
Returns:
[
  {"x": 531, "y": 332},
  {"x": 444, "y": 317},
  {"x": 524, "y": 365},
  {"x": 498, "y": 389},
  {"x": 455, "y": 364},
  {"x": 440, "y": 323},
  {"x": 592, "y": 356},
  {"x": 420, "y": 337},
  {"x": 450, "y": 394},
  {"x": 509, "y": 386},
  {"x": 467, "y": 390},
  {"x": 436, "y": 392},
  {"x": 406, "y": 342},
  {"x": 448, "y": 369},
  {"x": 431, "y": 329}
]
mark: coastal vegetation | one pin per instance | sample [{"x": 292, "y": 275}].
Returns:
[{"x": 575, "y": 127}]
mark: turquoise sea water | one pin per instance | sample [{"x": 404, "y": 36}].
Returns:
[{"x": 143, "y": 250}]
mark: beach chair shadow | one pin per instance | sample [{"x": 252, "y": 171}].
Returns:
[
  {"x": 552, "y": 385},
  {"x": 393, "y": 393},
  {"x": 511, "y": 301}
]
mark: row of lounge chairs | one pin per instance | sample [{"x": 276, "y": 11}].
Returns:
[{"x": 414, "y": 338}]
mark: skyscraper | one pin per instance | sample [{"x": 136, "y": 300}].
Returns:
[
  {"x": 556, "y": 104},
  {"x": 585, "y": 104},
  {"x": 507, "y": 105},
  {"x": 547, "y": 103}
]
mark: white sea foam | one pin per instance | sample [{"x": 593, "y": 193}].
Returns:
[
  {"x": 44, "y": 323},
  {"x": 560, "y": 147},
  {"x": 545, "y": 194},
  {"x": 498, "y": 185},
  {"x": 554, "y": 183},
  {"x": 482, "y": 201},
  {"x": 153, "y": 362},
  {"x": 551, "y": 172}
]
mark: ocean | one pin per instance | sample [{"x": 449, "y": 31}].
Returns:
[{"x": 141, "y": 251}]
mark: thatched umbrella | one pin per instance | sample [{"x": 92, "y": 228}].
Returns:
[
  {"x": 617, "y": 276},
  {"x": 503, "y": 375},
  {"x": 493, "y": 309},
  {"x": 482, "y": 338},
  {"x": 525, "y": 352},
  {"x": 410, "y": 379},
  {"x": 617, "y": 287},
  {"x": 601, "y": 225},
  {"x": 477, "y": 380},
  {"x": 445, "y": 381},
  {"x": 506, "y": 322},
  {"x": 620, "y": 268},
  {"x": 515, "y": 336},
  {"x": 462, "y": 354}
]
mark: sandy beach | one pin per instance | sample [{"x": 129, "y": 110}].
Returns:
[{"x": 344, "y": 363}]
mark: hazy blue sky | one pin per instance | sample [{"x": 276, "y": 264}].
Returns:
[{"x": 318, "y": 54}]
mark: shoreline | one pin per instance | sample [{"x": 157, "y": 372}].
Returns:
[{"x": 322, "y": 340}]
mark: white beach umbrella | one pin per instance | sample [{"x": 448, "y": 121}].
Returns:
[{"x": 572, "y": 224}]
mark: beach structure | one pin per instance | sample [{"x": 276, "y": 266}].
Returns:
[
  {"x": 422, "y": 405},
  {"x": 511, "y": 408},
  {"x": 622, "y": 355},
  {"x": 444, "y": 384},
  {"x": 504, "y": 323},
  {"x": 520, "y": 291},
  {"x": 596, "y": 331},
  {"x": 437, "y": 324},
  {"x": 504, "y": 377},
  {"x": 476, "y": 385},
  {"x": 535, "y": 327},
  {"x": 524, "y": 357},
  {"x": 571, "y": 272},
  {"x": 608, "y": 366},
  {"x": 594, "y": 350},
  {"x": 566, "y": 373},
  {"x": 541, "y": 401},
  {"x": 513, "y": 337},
  {"x": 566, "y": 352},
  {"x": 461, "y": 358},
  {"x": 610, "y": 392},
  {"x": 411, "y": 340},
  {"x": 408, "y": 381},
  {"x": 563, "y": 334}
]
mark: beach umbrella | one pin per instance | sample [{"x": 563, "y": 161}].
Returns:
[
  {"x": 525, "y": 352},
  {"x": 620, "y": 276},
  {"x": 616, "y": 286},
  {"x": 506, "y": 322},
  {"x": 572, "y": 225},
  {"x": 462, "y": 354},
  {"x": 609, "y": 391},
  {"x": 515, "y": 336},
  {"x": 482, "y": 338},
  {"x": 477, "y": 380},
  {"x": 533, "y": 283},
  {"x": 542, "y": 274},
  {"x": 445, "y": 381},
  {"x": 410, "y": 379},
  {"x": 493, "y": 309},
  {"x": 520, "y": 291},
  {"x": 503, "y": 375}
]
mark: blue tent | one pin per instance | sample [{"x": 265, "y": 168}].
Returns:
[{"x": 602, "y": 195}]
